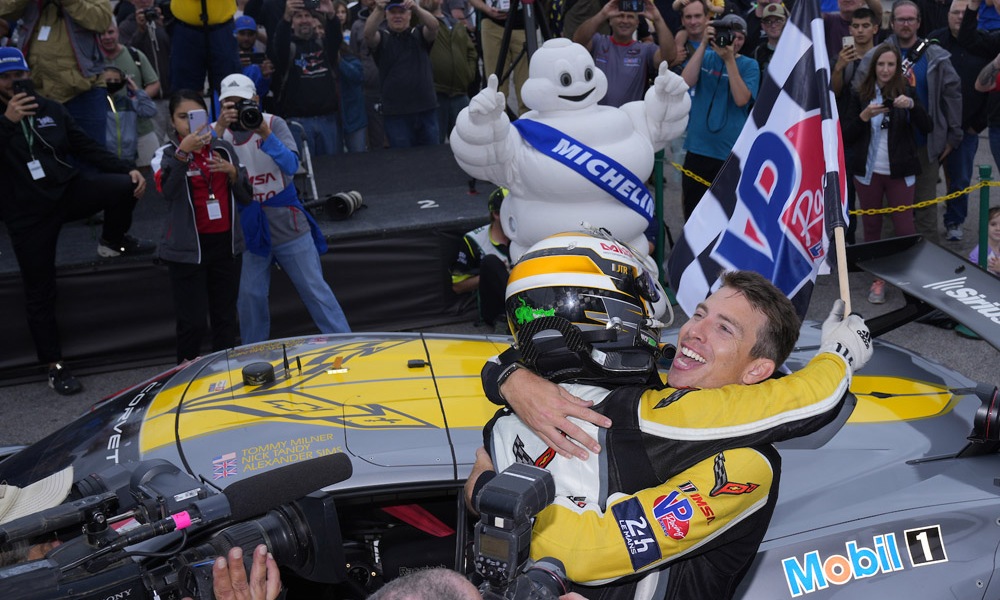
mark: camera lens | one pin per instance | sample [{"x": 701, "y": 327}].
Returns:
[{"x": 250, "y": 116}]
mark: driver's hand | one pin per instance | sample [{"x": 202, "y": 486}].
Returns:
[{"x": 544, "y": 407}]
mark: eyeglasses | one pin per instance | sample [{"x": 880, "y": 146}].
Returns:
[
  {"x": 772, "y": 21},
  {"x": 905, "y": 20}
]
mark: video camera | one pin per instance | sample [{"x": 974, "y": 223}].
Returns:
[
  {"x": 152, "y": 532},
  {"x": 507, "y": 505}
]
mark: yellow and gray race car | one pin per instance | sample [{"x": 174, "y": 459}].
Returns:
[{"x": 899, "y": 496}]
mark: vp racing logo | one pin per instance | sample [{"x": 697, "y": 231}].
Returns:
[
  {"x": 814, "y": 572},
  {"x": 955, "y": 288}
]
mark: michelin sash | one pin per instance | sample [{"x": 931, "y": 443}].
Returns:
[{"x": 603, "y": 171}]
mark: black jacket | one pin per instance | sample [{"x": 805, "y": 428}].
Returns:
[
  {"x": 26, "y": 200},
  {"x": 903, "y": 160}
]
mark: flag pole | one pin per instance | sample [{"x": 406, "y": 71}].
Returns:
[{"x": 840, "y": 246}]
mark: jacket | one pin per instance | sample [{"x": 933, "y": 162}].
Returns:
[
  {"x": 180, "y": 241},
  {"x": 56, "y": 137},
  {"x": 189, "y": 11},
  {"x": 122, "y": 128},
  {"x": 453, "y": 58},
  {"x": 967, "y": 64},
  {"x": 942, "y": 84},
  {"x": 57, "y": 74},
  {"x": 903, "y": 161}
]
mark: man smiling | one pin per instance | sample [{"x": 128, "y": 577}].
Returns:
[{"x": 688, "y": 463}]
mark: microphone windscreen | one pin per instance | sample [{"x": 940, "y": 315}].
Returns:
[{"x": 258, "y": 494}]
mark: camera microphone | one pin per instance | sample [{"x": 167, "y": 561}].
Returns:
[{"x": 256, "y": 495}]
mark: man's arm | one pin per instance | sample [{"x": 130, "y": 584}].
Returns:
[
  {"x": 372, "y": 36},
  {"x": 848, "y": 54},
  {"x": 692, "y": 70},
  {"x": 666, "y": 48},
  {"x": 738, "y": 87},
  {"x": 986, "y": 81},
  {"x": 426, "y": 19},
  {"x": 584, "y": 34},
  {"x": 94, "y": 15}
]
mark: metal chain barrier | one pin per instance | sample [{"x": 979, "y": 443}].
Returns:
[{"x": 873, "y": 211}]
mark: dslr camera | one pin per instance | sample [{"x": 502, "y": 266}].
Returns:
[
  {"x": 249, "y": 113},
  {"x": 150, "y": 15},
  {"x": 635, "y": 6},
  {"x": 507, "y": 505},
  {"x": 724, "y": 35}
]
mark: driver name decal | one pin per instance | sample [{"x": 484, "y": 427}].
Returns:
[{"x": 813, "y": 572}]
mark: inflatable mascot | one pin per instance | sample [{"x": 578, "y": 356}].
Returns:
[{"x": 569, "y": 160}]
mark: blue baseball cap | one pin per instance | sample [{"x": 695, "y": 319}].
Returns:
[
  {"x": 245, "y": 23},
  {"x": 11, "y": 59}
]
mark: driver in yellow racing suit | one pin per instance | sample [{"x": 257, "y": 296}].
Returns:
[{"x": 686, "y": 471}]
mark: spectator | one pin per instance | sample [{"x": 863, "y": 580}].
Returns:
[
  {"x": 958, "y": 165},
  {"x": 343, "y": 15},
  {"x": 627, "y": 63},
  {"x": 992, "y": 243},
  {"x": 774, "y": 18},
  {"x": 694, "y": 19},
  {"x": 491, "y": 33},
  {"x": 838, "y": 24},
  {"x": 352, "y": 100},
  {"x": 128, "y": 105},
  {"x": 60, "y": 44},
  {"x": 372, "y": 84},
  {"x": 986, "y": 44},
  {"x": 305, "y": 64},
  {"x": 724, "y": 84},
  {"x": 42, "y": 191},
  {"x": 277, "y": 228},
  {"x": 482, "y": 264},
  {"x": 715, "y": 7},
  {"x": 150, "y": 37},
  {"x": 934, "y": 16},
  {"x": 938, "y": 88},
  {"x": 454, "y": 62},
  {"x": 256, "y": 65},
  {"x": 881, "y": 117},
  {"x": 864, "y": 28},
  {"x": 202, "y": 243},
  {"x": 402, "y": 53},
  {"x": 135, "y": 68},
  {"x": 202, "y": 43}
]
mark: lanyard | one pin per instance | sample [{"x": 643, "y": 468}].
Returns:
[
  {"x": 205, "y": 174},
  {"x": 29, "y": 135}
]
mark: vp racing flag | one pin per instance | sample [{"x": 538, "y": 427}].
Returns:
[{"x": 765, "y": 210}]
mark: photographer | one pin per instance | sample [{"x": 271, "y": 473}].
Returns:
[
  {"x": 879, "y": 124},
  {"x": 146, "y": 31},
  {"x": 43, "y": 191},
  {"x": 276, "y": 226},
  {"x": 256, "y": 65},
  {"x": 723, "y": 86}
]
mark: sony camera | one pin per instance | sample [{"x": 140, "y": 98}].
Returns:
[
  {"x": 507, "y": 505},
  {"x": 724, "y": 35},
  {"x": 249, "y": 113}
]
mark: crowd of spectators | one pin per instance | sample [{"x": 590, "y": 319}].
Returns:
[{"x": 371, "y": 74}]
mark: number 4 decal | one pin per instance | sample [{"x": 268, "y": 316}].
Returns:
[{"x": 926, "y": 546}]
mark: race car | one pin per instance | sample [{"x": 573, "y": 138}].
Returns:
[{"x": 897, "y": 496}]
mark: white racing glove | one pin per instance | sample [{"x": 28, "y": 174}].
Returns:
[{"x": 848, "y": 337}]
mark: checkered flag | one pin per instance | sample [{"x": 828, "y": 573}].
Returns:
[{"x": 782, "y": 186}]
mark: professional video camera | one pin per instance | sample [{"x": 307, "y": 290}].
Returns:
[
  {"x": 152, "y": 531},
  {"x": 506, "y": 507}
]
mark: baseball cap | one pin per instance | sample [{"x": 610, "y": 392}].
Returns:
[
  {"x": 393, "y": 5},
  {"x": 237, "y": 85},
  {"x": 11, "y": 59},
  {"x": 774, "y": 10},
  {"x": 736, "y": 22},
  {"x": 45, "y": 493},
  {"x": 245, "y": 23}
]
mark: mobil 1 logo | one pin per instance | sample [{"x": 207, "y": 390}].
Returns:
[{"x": 925, "y": 545}]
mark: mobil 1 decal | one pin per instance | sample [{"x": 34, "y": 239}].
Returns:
[{"x": 880, "y": 555}]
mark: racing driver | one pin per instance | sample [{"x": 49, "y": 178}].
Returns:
[{"x": 686, "y": 470}]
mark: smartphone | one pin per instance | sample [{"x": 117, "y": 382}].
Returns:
[
  {"x": 23, "y": 85},
  {"x": 635, "y": 6},
  {"x": 198, "y": 121},
  {"x": 847, "y": 41}
]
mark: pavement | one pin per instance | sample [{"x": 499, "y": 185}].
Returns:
[{"x": 31, "y": 411}]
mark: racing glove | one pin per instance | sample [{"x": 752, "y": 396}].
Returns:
[{"x": 848, "y": 337}]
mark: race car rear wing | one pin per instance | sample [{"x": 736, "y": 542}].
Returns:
[{"x": 930, "y": 277}]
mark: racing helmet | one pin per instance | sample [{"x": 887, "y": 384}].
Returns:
[{"x": 583, "y": 306}]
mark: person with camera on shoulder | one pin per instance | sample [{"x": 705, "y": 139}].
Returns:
[
  {"x": 43, "y": 190},
  {"x": 723, "y": 86},
  {"x": 879, "y": 125},
  {"x": 277, "y": 228}
]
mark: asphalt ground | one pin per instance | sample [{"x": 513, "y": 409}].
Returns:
[{"x": 31, "y": 411}]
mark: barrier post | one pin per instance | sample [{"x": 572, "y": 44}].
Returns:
[{"x": 985, "y": 171}]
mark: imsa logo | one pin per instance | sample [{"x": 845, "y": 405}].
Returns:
[{"x": 925, "y": 546}]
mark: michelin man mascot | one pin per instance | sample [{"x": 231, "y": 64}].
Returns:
[{"x": 570, "y": 160}]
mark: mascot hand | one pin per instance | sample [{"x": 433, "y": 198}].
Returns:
[
  {"x": 486, "y": 107},
  {"x": 668, "y": 83}
]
